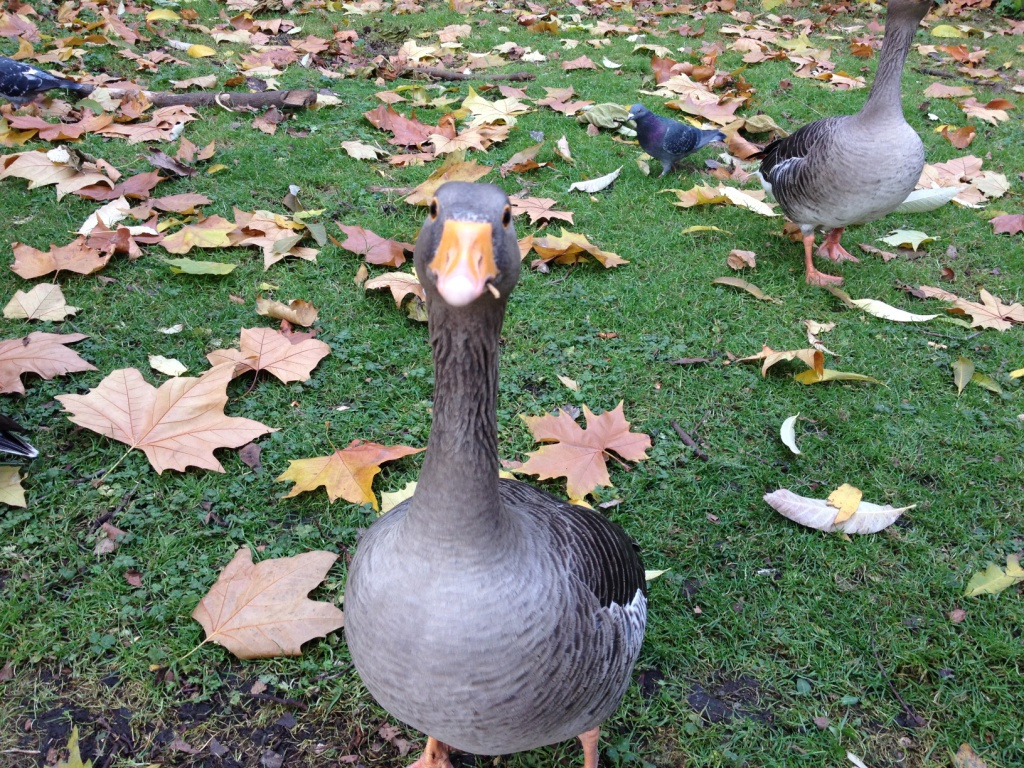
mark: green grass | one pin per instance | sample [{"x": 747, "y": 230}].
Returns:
[{"x": 812, "y": 625}]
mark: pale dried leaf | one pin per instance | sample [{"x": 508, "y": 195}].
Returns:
[
  {"x": 887, "y": 312},
  {"x": 788, "y": 434},
  {"x": 44, "y": 302},
  {"x": 994, "y": 579},
  {"x": 818, "y": 514},
  {"x": 596, "y": 185}
]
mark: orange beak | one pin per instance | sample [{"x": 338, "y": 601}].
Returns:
[{"x": 464, "y": 262}]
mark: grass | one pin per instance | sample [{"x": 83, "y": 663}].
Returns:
[{"x": 782, "y": 624}]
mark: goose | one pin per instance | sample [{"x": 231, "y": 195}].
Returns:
[
  {"x": 11, "y": 442},
  {"x": 485, "y": 612},
  {"x": 851, "y": 169}
]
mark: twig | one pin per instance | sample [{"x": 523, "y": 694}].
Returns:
[
  {"x": 231, "y": 100},
  {"x": 908, "y": 710},
  {"x": 278, "y": 700},
  {"x": 120, "y": 507},
  {"x": 954, "y": 76},
  {"x": 20, "y": 752},
  {"x": 689, "y": 441},
  {"x": 447, "y": 74},
  {"x": 390, "y": 190}
]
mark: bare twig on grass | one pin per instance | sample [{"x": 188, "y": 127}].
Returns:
[{"x": 685, "y": 437}]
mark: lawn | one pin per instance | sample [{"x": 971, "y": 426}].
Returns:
[{"x": 768, "y": 644}]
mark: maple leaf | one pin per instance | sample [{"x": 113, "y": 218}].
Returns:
[
  {"x": 177, "y": 426},
  {"x": 583, "y": 62},
  {"x": 44, "y": 354},
  {"x": 522, "y": 161},
  {"x": 297, "y": 311},
  {"x": 264, "y": 349},
  {"x": 263, "y": 610},
  {"x": 401, "y": 284},
  {"x": 1008, "y": 224},
  {"x": 960, "y": 138},
  {"x": 538, "y": 209},
  {"x": 989, "y": 313},
  {"x": 408, "y": 133},
  {"x": 377, "y": 249},
  {"x": 569, "y": 247},
  {"x": 11, "y": 492},
  {"x": 362, "y": 151},
  {"x": 44, "y": 302},
  {"x": 211, "y": 232},
  {"x": 454, "y": 168},
  {"x": 994, "y": 112},
  {"x": 76, "y": 256},
  {"x": 812, "y": 358},
  {"x": 348, "y": 472},
  {"x": 579, "y": 454},
  {"x": 500, "y": 111}
]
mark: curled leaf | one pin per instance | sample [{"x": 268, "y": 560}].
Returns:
[
  {"x": 750, "y": 288},
  {"x": 818, "y": 514},
  {"x": 887, "y": 312},
  {"x": 813, "y": 377},
  {"x": 788, "y": 433}
]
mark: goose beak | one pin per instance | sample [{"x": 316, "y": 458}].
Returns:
[{"x": 464, "y": 262}]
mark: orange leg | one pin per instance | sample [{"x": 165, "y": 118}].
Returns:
[
  {"x": 813, "y": 276},
  {"x": 833, "y": 250},
  {"x": 589, "y": 742},
  {"x": 436, "y": 755}
]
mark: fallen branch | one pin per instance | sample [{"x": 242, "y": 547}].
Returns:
[
  {"x": 299, "y": 99},
  {"x": 447, "y": 74},
  {"x": 685, "y": 437},
  {"x": 955, "y": 76}
]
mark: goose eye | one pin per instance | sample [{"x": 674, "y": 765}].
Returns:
[
  {"x": 506, "y": 216},
  {"x": 433, "y": 209}
]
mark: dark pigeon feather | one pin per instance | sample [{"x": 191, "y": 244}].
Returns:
[
  {"x": 20, "y": 82},
  {"x": 666, "y": 139},
  {"x": 10, "y": 442}
]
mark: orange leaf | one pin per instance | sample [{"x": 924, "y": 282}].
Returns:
[
  {"x": 76, "y": 256},
  {"x": 211, "y": 232},
  {"x": 259, "y": 611},
  {"x": 454, "y": 168},
  {"x": 538, "y": 209},
  {"x": 578, "y": 454},
  {"x": 961, "y": 138},
  {"x": 989, "y": 313},
  {"x": 264, "y": 349},
  {"x": 41, "y": 353},
  {"x": 347, "y": 472},
  {"x": 177, "y": 426},
  {"x": 569, "y": 247},
  {"x": 377, "y": 249},
  {"x": 581, "y": 63}
]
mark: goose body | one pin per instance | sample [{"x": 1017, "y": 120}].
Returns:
[
  {"x": 487, "y": 613},
  {"x": 11, "y": 441},
  {"x": 851, "y": 169}
]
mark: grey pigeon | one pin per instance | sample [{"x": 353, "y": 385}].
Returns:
[
  {"x": 10, "y": 442},
  {"x": 20, "y": 82},
  {"x": 666, "y": 139}
]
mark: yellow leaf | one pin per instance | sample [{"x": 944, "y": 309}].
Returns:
[
  {"x": 216, "y": 169},
  {"x": 947, "y": 30},
  {"x": 702, "y": 228},
  {"x": 11, "y": 492},
  {"x": 74, "y": 755},
  {"x": 162, "y": 14},
  {"x": 391, "y": 499},
  {"x": 1017, "y": 374},
  {"x": 846, "y": 499},
  {"x": 812, "y": 377},
  {"x": 994, "y": 579},
  {"x": 963, "y": 370},
  {"x": 750, "y": 288},
  {"x": 200, "y": 51}
]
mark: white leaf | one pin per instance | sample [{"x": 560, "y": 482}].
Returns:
[
  {"x": 922, "y": 200},
  {"x": 596, "y": 185},
  {"x": 570, "y": 383},
  {"x": 857, "y": 762},
  {"x": 652, "y": 575},
  {"x": 788, "y": 433},
  {"x": 609, "y": 64},
  {"x": 172, "y": 329},
  {"x": 361, "y": 150},
  {"x": 909, "y": 237},
  {"x": 817, "y": 514},
  {"x": 744, "y": 200},
  {"x": 108, "y": 214},
  {"x": 167, "y": 365},
  {"x": 887, "y": 312}
]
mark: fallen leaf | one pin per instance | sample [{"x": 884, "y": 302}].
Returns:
[
  {"x": 264, "y": 349},
  {"x": 167, "y": 365},
  {"x": 994, "y": 112},
  {"x": 886, "y": 255},
  {"x": 813, "y": 377},
  {"x": 375, "y": 248},
  {"x": 812, "y": 358},
  {"x": 401, "y": 284},
  {"x": 44, "y": 302},
  {"x": 391, "y": 499},
  {"x": 74, "y": 753},
  {"x": 582, "y": 62},
  {"x": 818, "y": 514},
  {"x": 787, "y": 433},
  {"x": 994, "y": 579},
  {"x": 924, "y": 200},
  {"x": 704, "y": 195},
  {"x": 1009, "y": 224},
  {"x": 211, "y": 232},
  {"x": 986, "y": 382},
  {"x": 966, "y": 757},
  {"x": 76, "y": 256},
  {"x": 911, "y": 238},
  {"x": 960, "y": 138},
  {"x": 939, "y": 90},
  {"x": 569, "y": 247},
  {"x": 347, "y": 473},
  {"x": 194, "y": 267},
  {"x": 579, "y": 454},
  {"x": 846, "y": 499},
  {"x": 596, "y": 185},
  {"x": 538, "y": 209},
  {"x": 454, "y": 168},
  {"x": 11, "y": 492},
  {"x": 991, "y": 312},
  {"x": 750, "y": 288},
  {"x": 741, "y": 259},
  {"x": 887, "y": 312},
  {"x": 263, "y": 610},
  {"x": 362, "y": 151},
  {"x": 44, "y": 354},
  {"x": 177, "y": 426},
  {"x": 296, "y": 311}
]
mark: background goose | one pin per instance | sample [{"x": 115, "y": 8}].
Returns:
[
  {"x": 668, "y": 140},
  {"x": 851, "y": 169},
  {"x": 485, "y": 612},
  {"x": 10, "y": 442}
]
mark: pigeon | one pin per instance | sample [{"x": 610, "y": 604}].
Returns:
[
  {"x": 20, "y": 83},
  {"x": 666, "y": 139},
  {"x": 10, "y": 442}
]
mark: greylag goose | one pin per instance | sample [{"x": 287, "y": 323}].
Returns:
[
  {"x": 11, "y": 442},
  {"x": 668, "y": 140},
  {"x": 487, "y": 613},
  {"x": 851, "y": 169}
]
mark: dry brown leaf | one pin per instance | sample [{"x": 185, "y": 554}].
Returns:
[
  {"x": 44, "y": 302},
  {"x": 538, "y": 209},
  {"x": 264, "y": 349},
  {"x": 376, "y": 249},
  {"x": 1008, "y": 224},
  {"x": 177, "y": 426},
  {"x": 812, "y": 358},
  {"x": 741, "y": 259},
  {"x": 296, "y": 311},
  {"x": 454, "y": 168},
  {"x": 989, "y": 313},
  {"x": 401, "y": 284},
  {"x": 41, "y": 353},
  {"x": 570, "y": 247},
  {"x": 263, "y": 610},
  {"x": 579, "y": 454},
  {"x": 76, "y": 256},
  {"x": 347, "y": 473}
]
